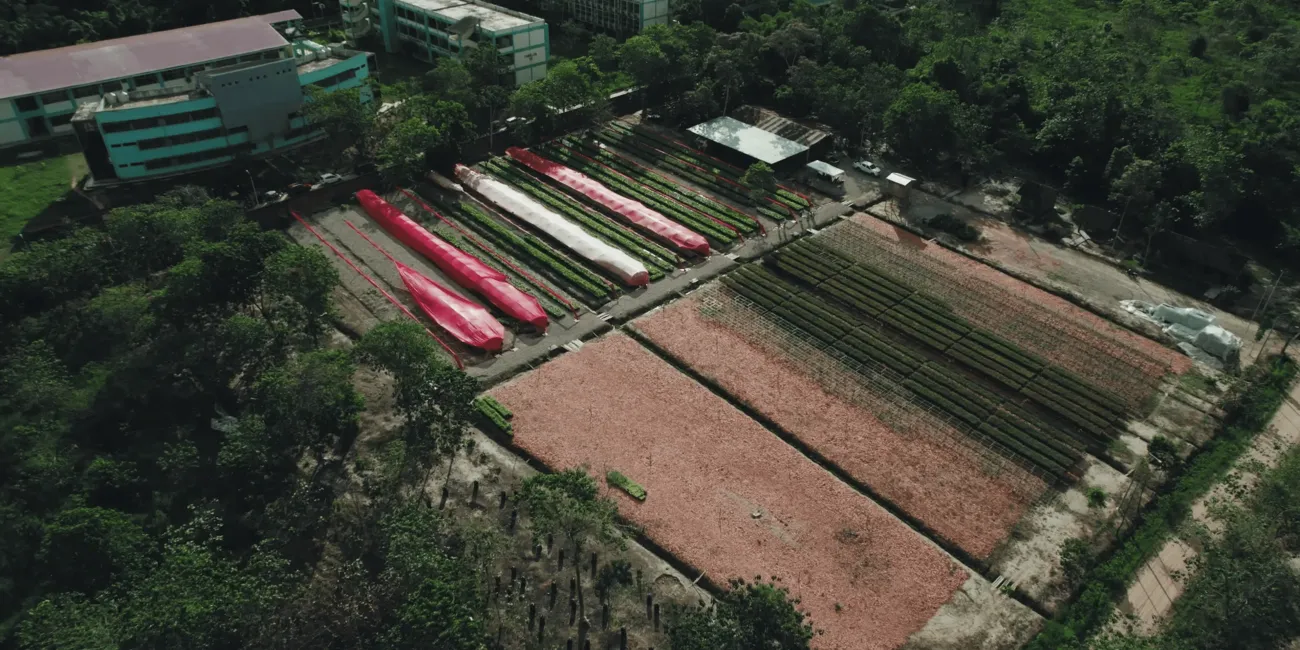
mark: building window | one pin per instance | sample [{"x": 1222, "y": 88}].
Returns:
[
  {"x": 61, "y": 120},
  {"x": 85, "y": 91},
  {"x": 173, "y": 75},
  {"x": 503, "y": 41},
  {"x": 26, "y": 104},
  {"x": 36, "y": 127},
  {"x": 54, "y": 97},
  {"x": 144, "y": 80}
]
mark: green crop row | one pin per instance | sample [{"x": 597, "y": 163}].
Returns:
[
  {"x": 1084, "y": 421},
  {"x": 495, "y": 414},
  {"x": 613, "y": 236},
  {"x": 950, "y": 330},
  {"x": 863, "y": 342},
  {"x": 549, "y": 304},
  {"x": 1061, "y": 442},
  {"x": 628, "y": 141},
  {"x": 911, "y": 325},
  {"x": 946, "y": 403},
  {"x": 1082, "y": 402},
  {"x": 717, "y": 210},
  {"x": 622, "y": 186},
  {"x": 1016, "y": 445},
  {"x": 582, "y": 279},
  {"x": 1008, "y": 349},
  {"x": 982, "y": 401},
  {"x": 1102, "y": 398},
  {"x": 978, "y": 363},
  {"x": 1003, "y": 363},
  {"x": 946, "y": 318},
  {"x": 1040, "y": 446},
  {"x": 633, "y": 489}
]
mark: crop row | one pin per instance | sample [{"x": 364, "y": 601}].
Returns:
[
  {"x": 731, "y": 188},
  {"x": 549, "y": 304},
  {"x": 623, "y": 186},
  {"x": 647, "y": 194},
  {"x": 495, "y": 413},
  {"x": 657, "y": 261},
  {"x": 784, "y": 195},
  {"x": 528, "y": 246},
  {"x": 945, "y": 389},
  {"x": 627, "y": 141},
  {"x": 715, "y": 209},
  {"x": 933, "y": 322}
]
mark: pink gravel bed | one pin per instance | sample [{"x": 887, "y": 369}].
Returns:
[
  {"x": 946, "y": 490},
  {"x": 1178, "y": 363},
  {"x": 727, "y": 496}
]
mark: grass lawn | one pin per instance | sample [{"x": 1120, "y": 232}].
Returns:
[{"x": 26, "y": 190}]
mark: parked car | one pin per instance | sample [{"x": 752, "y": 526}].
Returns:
[
  {"x": 330, "y": 179},
  {"x": 295, "y": 189},
  {"x": 273, "y": 196},
  {"x": 867, "y": 167}
]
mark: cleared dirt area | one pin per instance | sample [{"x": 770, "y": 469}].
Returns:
[
  {"x": 918, "y": 468},
  {"x": 728, "y": 497}
]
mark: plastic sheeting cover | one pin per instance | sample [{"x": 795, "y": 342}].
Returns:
[
  {"x": 464, "y": 269},
  {"x": 469, "y": 322},
  {"x": 635, "y": 211},
  {"x": 626, "y": 267},
  {"x": 1219, "y": 342}
]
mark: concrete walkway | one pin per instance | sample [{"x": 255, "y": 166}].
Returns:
[{"x": 1152, "y": 594}]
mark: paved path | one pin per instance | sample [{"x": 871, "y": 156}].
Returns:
[{"x": 1153, "y": 593}]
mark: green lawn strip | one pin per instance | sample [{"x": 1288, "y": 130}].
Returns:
[
  {"x": 632, "y": 488},
  {"x": 577, "y": 277},
  {"x": 1248, "y": 410},
  {"x": 494, "y": 415},
  {"x": 660, "y": 259},
  {"x": 27, "y": 190}
]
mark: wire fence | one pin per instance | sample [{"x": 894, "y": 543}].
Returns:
[
  {"x": 873, "y": 387},
  {"x": 1106, "y": 361}
]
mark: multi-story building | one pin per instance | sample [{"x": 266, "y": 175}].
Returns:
[
  {"x": 40, "y": 91},
  {"x": 244, "y": 109},
  {"x": 177, "y": 101},
  {"x": 427, "y": 29},
  {"x": 618, "y": 16}
]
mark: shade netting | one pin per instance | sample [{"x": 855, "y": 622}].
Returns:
[
  {"x": 617, "y": 262},
  {"x": 464, "y": 269},
  {"x": 634, "y": 211},
  {"x": 464, "y": 319}
]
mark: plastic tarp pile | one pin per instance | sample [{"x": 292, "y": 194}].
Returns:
[
  {"x": 464, "y": 269},
  {"x": 670, "y": 231},
  {"x": 469, "y": 322},
  {"x": 1219, "y": 342},
  {"x": 622, "y": 265},
  {"x": 1194, "y": 328}
]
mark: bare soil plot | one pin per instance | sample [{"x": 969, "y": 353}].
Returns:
[
  {"x": 728, "y": 497},
  {"x": 906, "y": 455}
]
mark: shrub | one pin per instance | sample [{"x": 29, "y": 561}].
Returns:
[
  {"x": 956, "y": 227},
  {"x": 634, "y": 490}
]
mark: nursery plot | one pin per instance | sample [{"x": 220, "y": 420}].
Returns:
[
  {"x": 872, "y": 316},
  {"x": 728, "y": 497},
  {"x": 964, "y": 489},
  {"x": 1120, "y": 362}
]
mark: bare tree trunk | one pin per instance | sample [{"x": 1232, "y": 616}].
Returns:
[
  {"x": 583, "y": 625},
  {"x": 1288, "y": 342}
]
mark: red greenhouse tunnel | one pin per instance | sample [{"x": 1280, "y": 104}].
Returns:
[
  {"x": 464, "y": 269},
  {"x": 670, "y": 231}
]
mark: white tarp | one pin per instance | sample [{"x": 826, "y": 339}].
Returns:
[
  {"x": 626, "y": 267},
  {"x": 1219, "y": 342},
  {"x": 1188, "y": 317}
]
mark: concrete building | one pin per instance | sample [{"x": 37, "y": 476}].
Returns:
[
  {"x": 618, "y": 16},
  {"x": 40, "y": 91},
  {"x": 427, "y": 29},
  {"x": 244, "y": 109}
]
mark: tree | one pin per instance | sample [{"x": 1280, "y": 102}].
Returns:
[
  {"x": 603, "y": 50},
  {"x": 85, "y": 549},
  {"x": 341, "y": 113},
  {"x": 760, "y": 179},
  {"x": 791, "y": 41},
  {"x": 450, "y": 81},
  {"x": 568, "y": 505},
  {"x": 747, "y": 616},
  {"x": 642, "y": 59},
  {"x": 297, "y": 289},
  {"x": 431, "y": 395},
  {"x": 929, "y": 125},
  {"x": 403, "y": 152}
]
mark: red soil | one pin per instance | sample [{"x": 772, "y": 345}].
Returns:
[
  {"x": 945, "y": 489},
  {"x": 1177, "y": 363},
  {"x": 709, "y": 470}
]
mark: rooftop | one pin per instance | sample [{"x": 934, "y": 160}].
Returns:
[
  {"x": 90, "y": 63},
  {"x": 749, "y": 140},
  {"x": 825, "y": 168},
  {"x": 491, "y": 17}
]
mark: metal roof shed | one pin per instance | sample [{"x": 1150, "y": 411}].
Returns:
[
  {"x": 749, "y": 140},
  {"x": 827, "y": 170}
]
